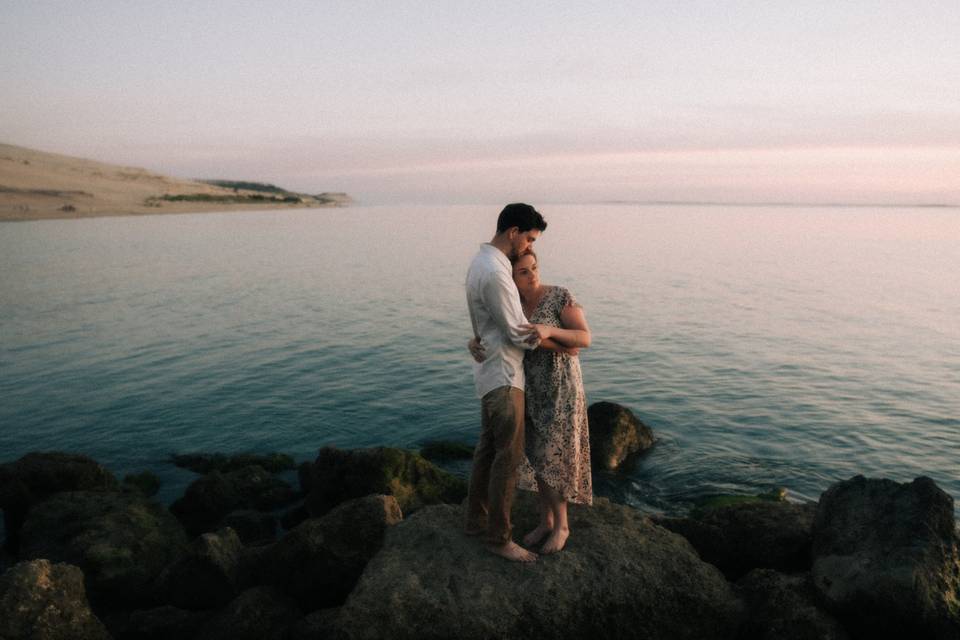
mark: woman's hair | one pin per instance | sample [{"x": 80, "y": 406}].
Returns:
[{"x": 528, "y": 252}]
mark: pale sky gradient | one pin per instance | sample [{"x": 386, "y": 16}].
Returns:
[{"x": 467, "y": 102}]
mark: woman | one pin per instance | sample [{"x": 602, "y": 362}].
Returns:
[{"x": 557, "y": 439}]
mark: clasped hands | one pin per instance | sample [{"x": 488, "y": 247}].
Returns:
[{"x": 537, "y": 333}]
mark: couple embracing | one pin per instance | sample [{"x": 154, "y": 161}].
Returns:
[{"x": 533, "y": 411}]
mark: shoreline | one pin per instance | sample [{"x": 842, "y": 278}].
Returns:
[{"x": 164, "y": 211}]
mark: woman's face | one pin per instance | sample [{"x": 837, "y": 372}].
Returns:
[{"x": 526, "y": 273}]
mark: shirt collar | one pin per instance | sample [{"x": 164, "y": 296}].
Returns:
[{"x": 498, "y": 255}]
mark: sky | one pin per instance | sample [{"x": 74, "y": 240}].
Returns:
[{"x": 467, "y": 102}]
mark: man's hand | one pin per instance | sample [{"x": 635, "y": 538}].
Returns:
[
  {"x": 476, "y": 349},
  {"x": 538, "y": 332}
]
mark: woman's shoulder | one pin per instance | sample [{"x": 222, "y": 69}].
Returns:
[{"x": 563, "y": 296}]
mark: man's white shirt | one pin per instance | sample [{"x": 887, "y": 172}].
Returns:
[{"x": 496, "y": 316}]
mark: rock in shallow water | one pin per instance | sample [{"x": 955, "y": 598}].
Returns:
[
  {"x": 615, "y": 435},
  {"x": 886, "y": 558},
  {"x": 620, "y": 576}
]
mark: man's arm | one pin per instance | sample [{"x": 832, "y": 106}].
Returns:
[{"x": 500, "y": 295}]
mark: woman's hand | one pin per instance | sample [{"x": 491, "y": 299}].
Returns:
[{"x": 476, "y": 349}]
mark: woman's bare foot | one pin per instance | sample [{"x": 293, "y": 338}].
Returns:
[
  {"x": 512, "y": 551},
  {"x": 537, "y": 535},
  {"x": 556, "y": 541}
]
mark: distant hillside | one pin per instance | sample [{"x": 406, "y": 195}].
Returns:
[{"x": 35, "y": 185}]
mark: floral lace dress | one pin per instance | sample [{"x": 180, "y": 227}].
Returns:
[{"x": 557, "y": 437}]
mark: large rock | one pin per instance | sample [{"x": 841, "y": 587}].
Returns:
[
  {"x": 615, "y": 435},
  {"x": 886, "y": 558},
  {"x": 44, "y": 601},
  {"x": 158, "y": 623},
  {"x": 208, "y": 575},
  {"x": 785, "y": 607},
  {"x": 741, "y": 537},
  {"x": 259, "y": 613},
  {"x": 339, "y": 475},
  {"x": 36, "y": 476},
  {"x": 320, "y": 561},
  {"x": 208, "y": 500},
  {"x": 121, "y": 541},
  {"x": 620, "y": 576}
]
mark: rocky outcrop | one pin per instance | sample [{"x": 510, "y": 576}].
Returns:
[
  {"x": 338, "y": 475},
  {"x": 320, "y": 561},
  {"x": 121, "y": 541},
  {"x": 615, "y": 435},
  {"x": 259, "y": 613},
  {"x": 209, "y": 499},
  {"x": 36, "y": 476},
  {"x": 620, "y": 576},
  {"x": 741, "y": 537},
  {"x": 784, "y": 607},
  {"x": 886, "y": 558},
  {"x": 208, "y": 575},
  {"x": 44, "y": 601}
]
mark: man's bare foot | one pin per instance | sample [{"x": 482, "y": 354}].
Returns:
[
  {"x": 536, "y": 535},
  {"x": 512, "y": 551},
  {"x": 556, "y": 541}
]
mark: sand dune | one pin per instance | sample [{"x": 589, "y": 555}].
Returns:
[{"x": 37, "y": 185}]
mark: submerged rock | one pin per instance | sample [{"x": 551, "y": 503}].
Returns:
[
  {"x": 207, "y": 462},
  {"x": 338, "y": 475},
  {"x": 320, "y": 561},
  {"x": 615, "y": 435},
  {"x": 121, "y": 541},
  {"x": 208, "y": 500},
  {"x": 784, "y": 607},
  {"x": 36, "y": 476},
  {"x": 750, "y": 535},
  {"x": 620, "y": 576},
  {"x": 886, "y": 558},
  {"x": 41, "y": 600}
]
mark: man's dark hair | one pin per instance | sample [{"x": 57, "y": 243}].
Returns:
[{"x": 522, "y": 216}]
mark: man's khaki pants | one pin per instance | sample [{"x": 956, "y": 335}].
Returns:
[{"x": 493, "y": 480}]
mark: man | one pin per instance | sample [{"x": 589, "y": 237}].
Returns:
[{"x": 498, "y": 321}]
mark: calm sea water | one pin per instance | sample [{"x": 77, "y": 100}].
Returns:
[{"x": 765, "y": 346}]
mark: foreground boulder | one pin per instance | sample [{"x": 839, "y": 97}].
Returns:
[
  {"x": 338, "y": 475},
  {"x": 615, "y": 435},
  {"x": 40, "y": 600},
  {"x": 36, "y": 476},
  {"x": 158, "y": 623},
  {"x": 785, "y": 607},
  {"x": 886, "y": 558},
  {"x": 259, "y": 613},
  {"x": 741, "y": 537},
  {"x": 121, "y": 541},
  {"x": 209, "y": 499},
  {"x": 320, "y": 561},
  {"x": 620, "y": 576},
  {"x": 208, "y": 575}
]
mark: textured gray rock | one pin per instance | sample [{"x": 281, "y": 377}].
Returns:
[
  {"x": 36, "y": 476},
  {"x": 44, "y": 601},
  {"x": 784, "y": 607},
  {"x": 121, "y": 541},
  {"x": 320, "y": 561},
  {"x": 741, "y": 537},
  {"x": 208, "y": 575},
  {"x": 259, "y": 613},
  {"x": 620, "y": 576},
  {"x": 886, "y": 558},
  {"x": 338, "y": 475},
  {"x": 209, "y": 499},
  {"x": 615, "y": 435}
]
